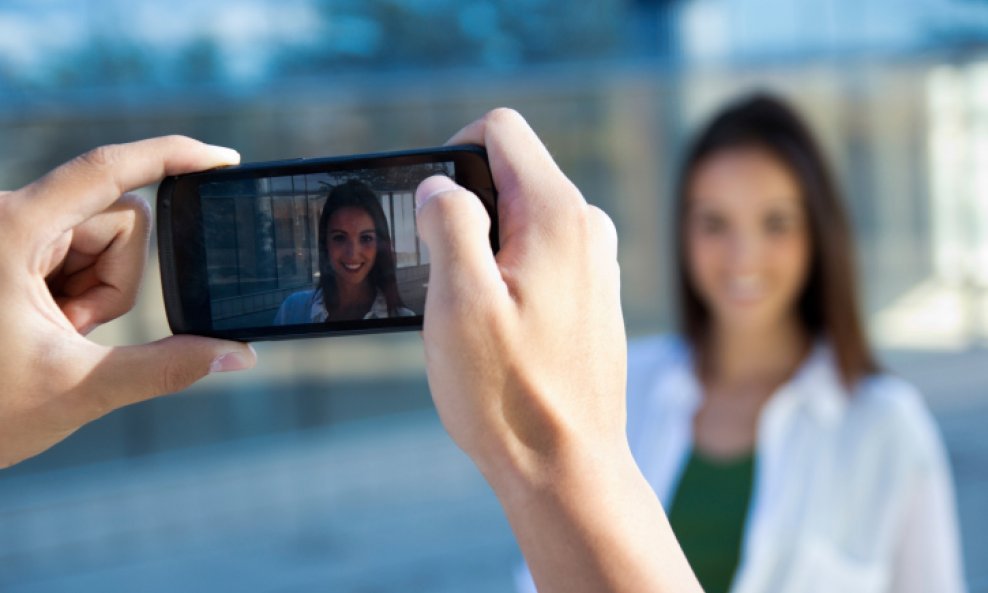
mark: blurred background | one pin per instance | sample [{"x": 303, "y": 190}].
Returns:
[{"x": 326, "y": 467}]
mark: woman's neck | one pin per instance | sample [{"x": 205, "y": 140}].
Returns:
[
  {"x": 354, "y": 298},
  {"x": 739, "y": 356}
]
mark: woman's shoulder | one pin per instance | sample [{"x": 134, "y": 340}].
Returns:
[
  {"x": 379, "y": 309},
  {"x": 881, "y": 400},
  {"x": 301, "y": 295},
  {"x": 662, "y": 357},
  {"x": 656, "y": 350},
  {"x": 894, "y": 410},
  {"x": 892, "y": 397},
  {"x": 300, "y": 300},
  {"x": 296, "y": 308}
]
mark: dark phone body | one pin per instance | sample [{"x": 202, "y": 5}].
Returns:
[{"x": 200, "y": 234}]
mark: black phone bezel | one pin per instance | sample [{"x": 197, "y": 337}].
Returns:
[{"x": 181, "y": 246}]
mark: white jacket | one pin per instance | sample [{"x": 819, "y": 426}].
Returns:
[{"x": 852, "y": 492}]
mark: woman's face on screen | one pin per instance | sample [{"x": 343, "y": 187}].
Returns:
[
  {"x": 748, "y": 243},
  {"x": 352, "y": 244}
]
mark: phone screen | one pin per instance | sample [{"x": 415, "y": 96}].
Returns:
[
  {"x": 315, "y": 248},
  {"x": 305, "y": 247}
]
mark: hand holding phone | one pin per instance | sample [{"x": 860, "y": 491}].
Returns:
[
  {"x": 73, "y": 252},
  {"x": 308, "y": 247},
  {"x": 526, "y": 357},
  {"x": 525, "y": 350}
]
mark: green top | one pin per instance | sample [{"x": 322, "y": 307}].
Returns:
[{"x": 708, "y": 515}]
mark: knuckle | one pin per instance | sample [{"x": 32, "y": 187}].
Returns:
[
  {"x": 174, "y": 376},
  {"x": 136, "y": 203},
  {"x": 442, "y": 202},
  {"x": 456, "y": 204},
  {"x": 178, "y": 140},
  {"x": 603, "y": 225},
  {"x": 503, "y": 116},
  {"x": 101, "y": 157},
  {"x": 139, "y": 211}
]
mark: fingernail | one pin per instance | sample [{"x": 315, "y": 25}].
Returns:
[
  {"x": 231, "y": 361},
  {"x": 436, "y": 184},
  {"x": 224, "y": 154}
]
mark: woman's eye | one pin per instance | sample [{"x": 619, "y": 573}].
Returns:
[
  {"x": 339, "y": 238},
  {"x": 712, "y": 225},
  {"x": 778, "y": 224},
  {"x": 367, "y": 239}
]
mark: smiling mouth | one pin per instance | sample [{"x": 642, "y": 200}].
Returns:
[
  {"x": 746, "y": 288},
  {"x": 352, "y": 267}
]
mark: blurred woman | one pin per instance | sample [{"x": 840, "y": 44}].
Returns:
[
  {"x": 356, "y": 263},
  {"x": 787, "y": 460}
]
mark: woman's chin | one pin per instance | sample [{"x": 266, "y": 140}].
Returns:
[
  {"x": 747, "y": 315},
  {"x": 354, "y": 282}
]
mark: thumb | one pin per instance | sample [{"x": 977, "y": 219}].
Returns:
[
  {"x": 130, "y": 374},
  {"x": 455, "y": 226}
]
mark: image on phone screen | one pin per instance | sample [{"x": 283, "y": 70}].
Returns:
[{"x": 315, "y": 248}]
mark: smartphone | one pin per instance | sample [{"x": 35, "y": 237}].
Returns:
[{"x": 305, "y": 247}]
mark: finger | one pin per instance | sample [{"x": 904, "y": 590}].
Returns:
[
  {"x": 535, "y": 198},
  {"x": 520, "y": 162},
  {"x": 101, "y": 274},
  {"x": 455, "y": 227},
  {"x": 90, "y": 183},
  {"x": 131, "y": 374}
]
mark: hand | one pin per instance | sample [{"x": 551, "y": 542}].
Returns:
[
  {"x": 526, "y": 359},
  {"x": 539, "y": 356},
  {"x": 72, "y": 250}
]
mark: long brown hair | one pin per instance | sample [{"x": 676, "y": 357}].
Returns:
[{"x": 828, "y": 304}]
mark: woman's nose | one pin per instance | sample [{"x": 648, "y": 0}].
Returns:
[{"x": 745, "y": 250}]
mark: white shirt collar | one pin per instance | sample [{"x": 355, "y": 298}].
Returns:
[
  {"x": 318, "y": 313},
  {"x": 816, "y": 384},
  {"x": 379, "y": 309}
]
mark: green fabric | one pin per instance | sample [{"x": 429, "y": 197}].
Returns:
[{"x": 708, "y": 515}]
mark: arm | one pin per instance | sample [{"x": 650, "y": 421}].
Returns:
[
  {"x": 526, "y": 361},
  {"x": 72, "y": 250}
]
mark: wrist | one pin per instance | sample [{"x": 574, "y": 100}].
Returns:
[
  {"x": 572, "y": 465},
  {"x": 586, "y": 520}
]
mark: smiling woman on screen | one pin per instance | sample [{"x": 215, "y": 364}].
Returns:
[{"x": 356, "y": 264}]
